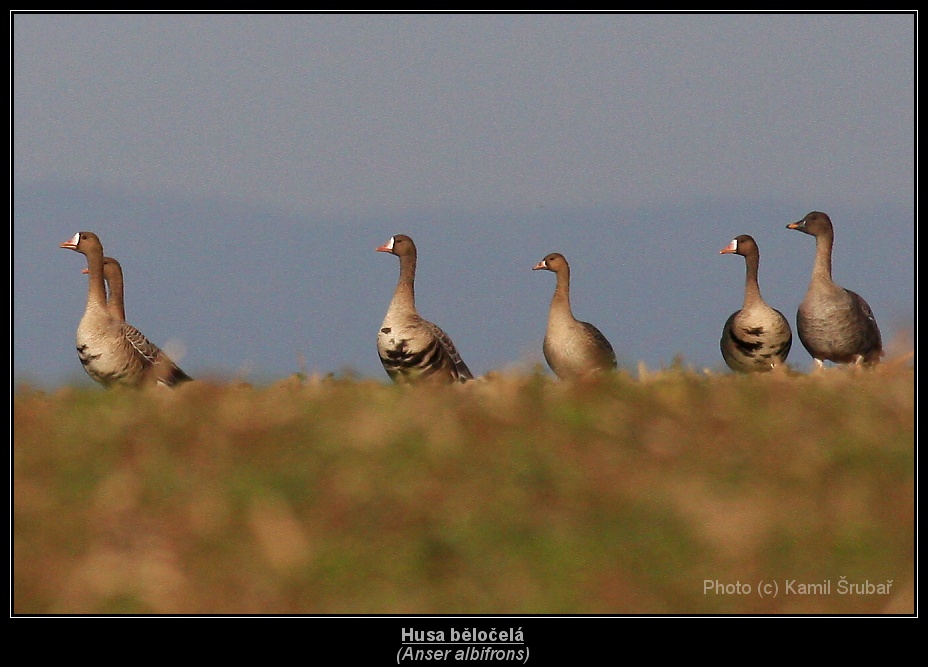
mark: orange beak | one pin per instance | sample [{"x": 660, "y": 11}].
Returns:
[{"x": 71, "y": 244}]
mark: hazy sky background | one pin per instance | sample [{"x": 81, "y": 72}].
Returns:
[{"x": 244, "y": 167}]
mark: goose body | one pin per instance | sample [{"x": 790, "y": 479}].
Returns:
[
  {"x": 411, "y": 348},
  {"x": 573, "y": 349},
  {"x": 757, "y": 337},
  {"x": 113, "y": 352},
  {"x": 833, "y": 323}
]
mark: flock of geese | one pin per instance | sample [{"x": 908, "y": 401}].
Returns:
[{"x": 834, "y": 324}]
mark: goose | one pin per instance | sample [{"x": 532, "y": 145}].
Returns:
[
  {"x": 113, "y": 352},
  {"x": 411, "y": 348},
  {"x": 573, "y": 349},
  {"x": 757, "y": 337},
  {"x": 833, "y": 323}
]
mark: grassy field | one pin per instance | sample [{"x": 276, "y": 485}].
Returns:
[{"x": 672, "y": 492}]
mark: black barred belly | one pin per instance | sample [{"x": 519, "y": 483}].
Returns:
[
  {"x": 97, "y": 371},
  {"x": 401, "y": 362}
]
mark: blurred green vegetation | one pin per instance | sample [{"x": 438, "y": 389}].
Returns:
[{"x": 508, "y": 495}]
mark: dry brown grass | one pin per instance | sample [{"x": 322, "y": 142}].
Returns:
[{"x": 510, "y": 495}]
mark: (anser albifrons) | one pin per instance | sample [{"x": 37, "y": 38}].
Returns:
[
  {"x": 113, "y": 352},
  {"x": 833, "y": 323},
  {"x": 411, "y": 348},
  {"x": 757, "y": 337},
  {"x": 573, "y": 349}
]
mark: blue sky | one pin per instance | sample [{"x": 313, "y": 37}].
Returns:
[{"x": 244, "y": 167}]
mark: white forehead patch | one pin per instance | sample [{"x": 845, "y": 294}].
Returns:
[
  {"x": 390, "y": 244},
  {"x": 75, "y": 239},
  {"x": 733, "y": 245}
]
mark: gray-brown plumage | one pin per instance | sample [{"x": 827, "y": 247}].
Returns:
[
  {"x": 833, "y": 323},
  {"x": 411, "y": 348},
  {"x": 113, "y": 352},
  {"x": 757, "y": 337},
  {"x": 573, "y": 349}
]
